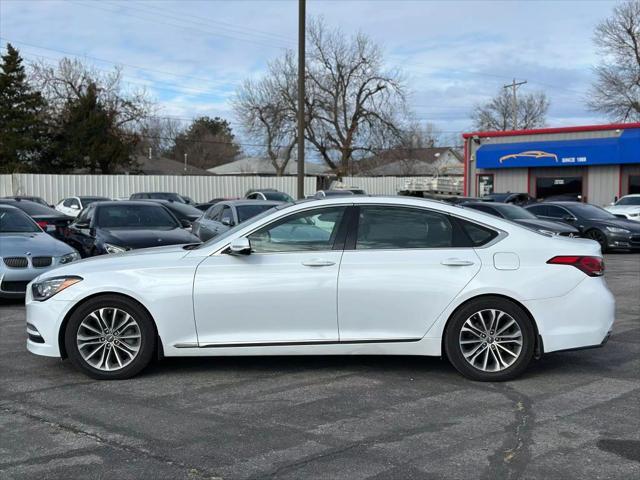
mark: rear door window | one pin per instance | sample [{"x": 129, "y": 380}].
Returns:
[{"x": 381, "y": 227}]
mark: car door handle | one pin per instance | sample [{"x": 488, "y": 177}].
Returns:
[
  {"x": 316, "y": 262},
  {"x": 456, "y": 262}
]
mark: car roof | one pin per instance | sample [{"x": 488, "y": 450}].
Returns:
[
  {"x": 6, "y": 206},
  {"x": 238, "y": 203},
  {"x": 631, "y": 195},
  {"x": 125, "y": 202}
]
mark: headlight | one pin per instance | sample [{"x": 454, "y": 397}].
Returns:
[
  {"x": 48, "y": 288},
  {"x": 114, "y": 248},
  {"x": 618, "y": 230},
  {"x": 68, "y": 258},
  {"x": 547, "y": 232}
]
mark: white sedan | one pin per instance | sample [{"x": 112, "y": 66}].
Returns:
[
  {"x": 627, "y": 207},
  {"x": 348, "y": 275}
]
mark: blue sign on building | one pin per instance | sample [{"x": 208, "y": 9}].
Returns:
[{"x": 624, "y": 148}]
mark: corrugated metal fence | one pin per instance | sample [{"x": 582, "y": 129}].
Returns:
[{"x": 201, "y": 188}]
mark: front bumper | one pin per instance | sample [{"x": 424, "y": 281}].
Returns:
[{"x": 45, "y": 319}]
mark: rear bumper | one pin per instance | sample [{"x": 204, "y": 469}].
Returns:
[{"x": 583, "y": 318}]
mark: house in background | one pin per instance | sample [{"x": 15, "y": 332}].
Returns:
[
  {"x": 418, "y": 162},
  {"x": 263, "y": 166}
]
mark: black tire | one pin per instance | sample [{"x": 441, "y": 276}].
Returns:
[
  {"x": 599, "y": 237},
  {"x": 147, "y": 337},
  {"x": 453, "y": 348}
]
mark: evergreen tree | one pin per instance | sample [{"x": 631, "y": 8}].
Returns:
[
  {"x": 88, "y": 137},
  {"x": 22, "y": 129}
]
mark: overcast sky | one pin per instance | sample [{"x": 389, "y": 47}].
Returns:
[{"x": 191, "y": 55}]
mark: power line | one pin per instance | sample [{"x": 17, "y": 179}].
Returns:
[
  {"x": 207, "y": 21},
  {"x": 209, "y": 32}
]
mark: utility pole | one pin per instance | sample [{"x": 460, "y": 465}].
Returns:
[
  {"x": 514, "y": 86},
  {"x": 185, "y": 163},
  {"x": 301, "y": 71}
]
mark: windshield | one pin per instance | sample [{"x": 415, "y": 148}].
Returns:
[
  {"x": 135, "y": 217},
  {"x": 245, "y": 212},
  {"x": 278, "y": 196},
  {"x": 514, "y": 212},
  {"x": 591, "y": 212},
  {"x": 233, "y": 230},
  {"x": 629, "y": 201},
  {"x": 16, "y": 221}
]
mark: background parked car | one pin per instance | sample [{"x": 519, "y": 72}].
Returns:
[
  {"x": 320, "y": 194},
  {"x": 509, "y": 197},
  {"x": 115, "y": 227},
  {"x": 186, "y": 214},
  {"x": 269, "y": 194},
  {"x": 26, "y": 251},
  {"x": 524, "y": 217},
  {"x": 72, "y": 206},
  {"x": 224, "y": 215},
  {"x": 172, "y": 196},
  {"x": 593, "y": 222},
  {"x": 31, "y": 198},
  {"x": 50, "y": 220},
  {"x": 627, "y": 207},
  {"x": 206, "y": 205}
]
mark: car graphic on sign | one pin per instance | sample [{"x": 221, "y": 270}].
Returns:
[{"x": 530, "y": 154}]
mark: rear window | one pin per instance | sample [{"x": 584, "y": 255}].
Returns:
[
  {"x": 245, "y": 212},
  {"x": 135, "y": 216},
  {"x": 477, "y": 234},
  {"x": 33, "y": 208}
]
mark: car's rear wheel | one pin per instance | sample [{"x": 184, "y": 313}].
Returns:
[
  {"x": 110, "y": 338},
  {"x": 599, "y": 237},
  {"x": 490, "y": 339}
]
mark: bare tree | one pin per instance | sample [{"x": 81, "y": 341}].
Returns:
[
  {"x": 353, "y": 104},
  {"x": 158, "y": 134},
  {"x": 497, "y": 114},
  {"x": 266, "y": 111},
  {"x": 616, "y": 91},
  {"x": 70, "y": 79}
]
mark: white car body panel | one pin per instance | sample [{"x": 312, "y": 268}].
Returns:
[
  {"x": 631, "y": 212},
  {"x": 202, "y": 298}
]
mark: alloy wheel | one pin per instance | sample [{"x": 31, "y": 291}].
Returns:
[
  {"x": 108, "y": 339},
  {"x": 491, "y": 340}
]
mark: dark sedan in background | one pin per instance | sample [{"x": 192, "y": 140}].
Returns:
[
  {"x": 115, "y": 227},
  {"x": 31, "y": 198},
  {"x": 509, "y": 197},
  {"x": 49, "y": 219},
  {"x": 593, "y": 222},
  {"x": 224, "y": 215},
  {"x": 524, "y": 217}
]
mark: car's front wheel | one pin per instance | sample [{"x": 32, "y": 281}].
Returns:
[
  {"x": 490, "y": 339},
  {"x": 599, "y": 237},
  {"x": 110, "y": 338}
]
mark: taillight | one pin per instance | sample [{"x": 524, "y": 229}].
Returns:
[
  {"x": 592, "y": 266},
  {"x": 43, "y": 225}
]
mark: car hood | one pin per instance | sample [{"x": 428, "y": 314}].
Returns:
[
  {"x": 135, "y": 239},
  {"x": 119, "y": 262},
  {"x": 546, "y": 225},
  {"x": 620, "y": 223},
  {"x": 36, "y": 243},
  {"x": 624, "y": 209}
]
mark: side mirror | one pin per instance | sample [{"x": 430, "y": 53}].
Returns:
[
  {"x": 81, "y": 225},
  {"x": 74, "y": 207},
  {"x": 185, "y": 223},
  {"x": 240, "y": 246},
  {"x": 227, "y": 222}
]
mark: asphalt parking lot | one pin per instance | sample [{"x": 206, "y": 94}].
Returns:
[{"x": 572, "y": 415}]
